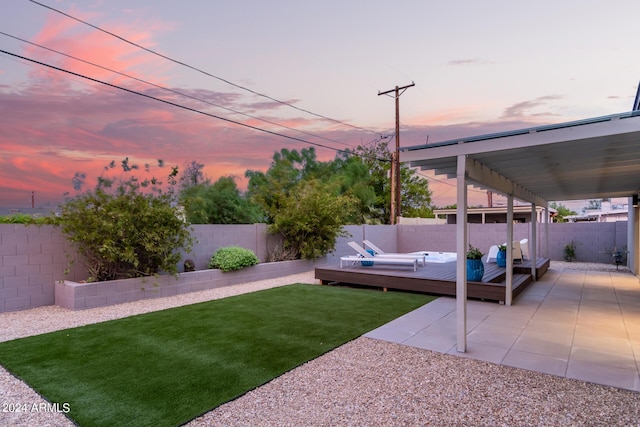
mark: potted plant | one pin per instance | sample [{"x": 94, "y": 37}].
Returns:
[
  {"x": 501, "y": 257},
  {"x": 475, "y": 267}
]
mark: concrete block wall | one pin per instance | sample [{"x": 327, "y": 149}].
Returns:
[
  {"x": 592, "y": 240},
  {"x": 442, "y": 238},
  {"x": 210, "y": 238},
  {"x": 356, "y": 234},
  {"x": 383, "y": 236},
  {"x": 32, "y": 258},
  {"x": 436, "y": 238}
]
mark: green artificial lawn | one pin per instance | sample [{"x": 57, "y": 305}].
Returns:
[{"x": 168, "y": 367}]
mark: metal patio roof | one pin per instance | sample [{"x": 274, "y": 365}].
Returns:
[{"x": 587, "y": 159}]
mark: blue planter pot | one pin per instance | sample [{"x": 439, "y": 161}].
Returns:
[
  {"x": 501, "y": 259},
  {"x": 475, "y": 270}
]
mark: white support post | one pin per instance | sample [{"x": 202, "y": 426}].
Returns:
[
  {"x": 636, "y": 241},
  {"x": 508, "y": 294},
  {"x": 632, "y": 238},
  {"x": 533, "y": 244},
  {"x": 546, "y": 231},
  {"x": 461, "y": 249}
]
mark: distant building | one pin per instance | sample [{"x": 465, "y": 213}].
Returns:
[
  {"x": 521, "y": 214},
  {"x": 608, "y": 212}
]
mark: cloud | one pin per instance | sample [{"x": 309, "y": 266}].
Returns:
[
  {"x": 47, "y": 138},
  {"x": 50, "y": 136},
  {"x": 524, "y": 109},
  {"x": 468, "y": 61},
  {"x": 267, "y": 105},
  {"x": 459, "y": 62},
  {"x": 80, "y": 41},
  {"x": 54, "y": 126}
]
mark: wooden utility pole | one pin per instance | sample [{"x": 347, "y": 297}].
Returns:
[{"x": 396, "y": 183}]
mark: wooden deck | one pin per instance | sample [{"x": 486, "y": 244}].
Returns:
[{"x": 434, "y": 278}]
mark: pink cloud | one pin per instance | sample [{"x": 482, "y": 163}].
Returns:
[
  {"x": 78, "y": 40},
  {"x": 52, "y": 127},
  {"x": 49, "y": 137}
]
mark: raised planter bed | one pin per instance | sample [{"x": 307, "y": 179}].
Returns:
[{"x": 78, "y": 296}]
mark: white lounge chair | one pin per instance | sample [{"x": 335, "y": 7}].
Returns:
[
  {"x": 492, "y": 255},
  {"x": 373, "y": 247},
  {"x": 524, "y": 247},
  {"x": 365, "y": 257},
  {"x": 379, "y": 252},
  {"x": 516, "y": 251}
]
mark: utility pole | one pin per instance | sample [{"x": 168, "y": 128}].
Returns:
[{"x": 396, "y": 184}]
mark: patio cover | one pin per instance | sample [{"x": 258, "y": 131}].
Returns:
[{"x": 587, "y": 159}]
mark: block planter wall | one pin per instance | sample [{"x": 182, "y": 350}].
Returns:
[{"x": 78, "y": 296}]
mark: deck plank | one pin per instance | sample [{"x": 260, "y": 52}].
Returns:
[{"x": 437, "y": 279}]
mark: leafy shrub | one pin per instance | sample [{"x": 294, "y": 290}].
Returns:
[
  {"x": 474, "y": 253},
  {"x": 21, "y": 218},
  {"x": 233, "y": 258},
  {"x": 128, "y": 230}
]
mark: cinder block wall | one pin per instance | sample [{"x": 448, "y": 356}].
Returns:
[
  {"x": 354, "y": 233},
  {"x": 211, "y": 237},
  {"x": 33, "y": 258},
  {"x": 592, "y": 240}
]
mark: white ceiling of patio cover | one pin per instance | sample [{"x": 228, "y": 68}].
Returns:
[{"x": 589, "y": 159}]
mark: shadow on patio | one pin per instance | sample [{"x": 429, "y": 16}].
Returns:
[{"x": 581, "y": 324}]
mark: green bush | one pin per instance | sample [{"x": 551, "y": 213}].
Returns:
[
  {"x": 21, "y": 218},
  {"x": 570, "y": 252},
  {"x": 311, "y": 220},
  {"x": 233, "y": 258},
  {"x": 132, "y": 229}
]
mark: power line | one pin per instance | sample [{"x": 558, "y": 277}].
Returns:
[
  {"x": 173, "y": 103},
  {"x": 200, "y": 70},
  {"x": 172, "y": 90}
]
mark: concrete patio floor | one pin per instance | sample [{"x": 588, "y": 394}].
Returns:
[{"x": 575, "y": 324}]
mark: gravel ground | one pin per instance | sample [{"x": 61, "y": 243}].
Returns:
[{"x": 362, "y": 383}]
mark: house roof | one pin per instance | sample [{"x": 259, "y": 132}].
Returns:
[
  {"x": 593, "y": 158},
  {"x": 493, "y": 210}
]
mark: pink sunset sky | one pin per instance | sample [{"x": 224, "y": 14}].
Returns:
[{"x": 478, "y": 68}]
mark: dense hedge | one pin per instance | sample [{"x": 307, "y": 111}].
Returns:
[{"x": 233, "y": 258}]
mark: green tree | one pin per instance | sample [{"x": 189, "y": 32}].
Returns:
[
  {"x": 416, "y": 196},
  {"x": 126, "y": 227},
  {"x": 312, "y": 221},
  {"x": 349, "y": 175},
  {"x": 309, "y": 201},
  {"x": 271, "y": 189},
  {"x": 219, "y": 203},
  {"x": 563, "y": 212}
]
